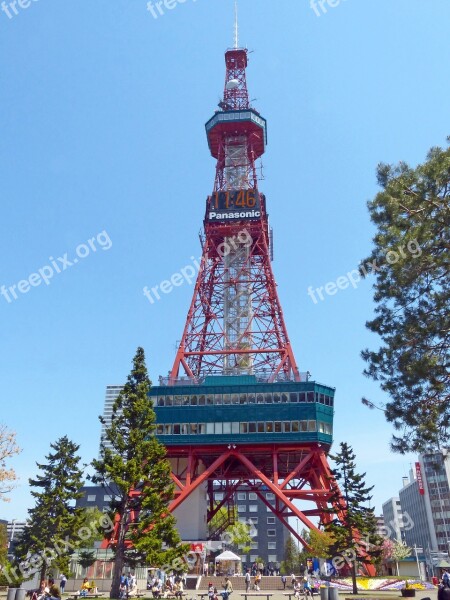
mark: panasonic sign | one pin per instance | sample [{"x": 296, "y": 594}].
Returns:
[{"x": 233, "y": 216}]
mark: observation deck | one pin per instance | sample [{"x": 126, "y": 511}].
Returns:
[
  {"x": 242, "y": 410},
  {"x": 230, "y": 123}
]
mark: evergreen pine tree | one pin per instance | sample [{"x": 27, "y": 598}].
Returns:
[
  {"x": 51, "y": 533},
  {"x": 412, "y": 293},
  {"x": 353, "y": 530},
  {"x": 134, "y": 460},
  {"x": 290, "y": 564}
]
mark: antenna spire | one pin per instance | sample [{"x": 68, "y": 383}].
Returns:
[{"x": 236, "y": 25}]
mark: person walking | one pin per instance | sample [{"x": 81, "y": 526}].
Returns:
[
  {"x": 62, "y": 583},
  {"x": 247, "y": 581},
  {"x": 283, "y": 581}
]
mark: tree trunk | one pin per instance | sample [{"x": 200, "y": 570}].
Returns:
[
  {"x": 119, "y": 560},
  {"x": 355, "y": 585},
  {"x": 117, "y": 573},
  {"x": 43, "y": 572}
]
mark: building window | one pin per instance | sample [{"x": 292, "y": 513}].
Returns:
[
  {"x": 254, "y": 545},
  {"x": 253, "y": 558},
  {"x": 253, "y": 508},
  {"x": 271, "y": 532},
  {"x": 241, "y": 508},
  {"x": 107, "y": 498},
  {"x": 218, "y": 496},
  {"x": 270, "y": 496},
  {"x": 91, "y": 498},
  {"x": 252, "y": 496},
  {"x": 271, "y": 546},
  {"x": 242, "y": 496},
  {"x": 272, "y": 558},
  {"x": 254, "y": 520},
  {"x": 270, "y": 520},
  {"x": 243, "y": 558}
]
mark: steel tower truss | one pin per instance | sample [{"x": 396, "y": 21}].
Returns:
[{"x": 235, "y": 323}]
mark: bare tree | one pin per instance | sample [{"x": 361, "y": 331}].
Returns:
[{"x": 8, "y": 449}]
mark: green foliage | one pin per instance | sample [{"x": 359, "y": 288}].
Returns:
[
  {"x": 3, "y": 545},
  {"x": 91, "y": 520},
  {"x": 237, "y": 535},
  {"x": 353, "y": 526},
  {"x": 412, "y": 294},
  {"x": 8, "y": 577},
  {"x": 322, "y": 544},
  {"x": 135, "y": 461},
  {"x": 291, "y": 561},
  {"x": 51, "y": 533},
  {"x": 86, "y": 558}
]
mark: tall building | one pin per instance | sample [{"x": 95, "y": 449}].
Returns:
[
  {"x": 416, "y": 526},
  {"x": 393, "y": 518},
  {"x": 14, "y": 530},
  {"x": 435, "y": 475},
  {"x": 112, "y": 391},
  {"x": 421, "y": 513}
]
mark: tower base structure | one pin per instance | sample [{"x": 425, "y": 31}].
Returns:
[{"x": 241, "y": 432}]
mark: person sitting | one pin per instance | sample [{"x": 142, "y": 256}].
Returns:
[
  {"x": 157, "y": 587},
  {"x": 215, "y": 595},
  {"x": 132, "y": 586},
  {"x": 228, "y": 589},
  {"x": 178, "y": 588},
  {"x": 42, "y": 592},
  {"x": 54, "y": 592},
  {"x": 307, "y": 589},
  {"x": 85, "y": 587},
  {"x": 297, "y": 589},
  {"x": 168, "y": 589}
]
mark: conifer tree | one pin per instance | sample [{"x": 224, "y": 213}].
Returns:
[
  {"x": 411, "y": 264},
  {"x": 353, "y": 530},
  {"x": 290, "y": 564},
  {"x": 133, "y": 459},
  {"x": 51, "y": 534}
]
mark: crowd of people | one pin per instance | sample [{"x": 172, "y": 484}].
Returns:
[{"x": 170, "y": 587}]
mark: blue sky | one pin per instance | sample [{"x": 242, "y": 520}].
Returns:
[{"x": 102, "y": 118}]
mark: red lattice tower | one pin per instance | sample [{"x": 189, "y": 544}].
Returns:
[
  {"x": 235, "y": 412},
  {"x": 235, "y": 323}
]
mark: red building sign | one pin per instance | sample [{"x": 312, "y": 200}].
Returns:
[{"x": 419, "y": 479}]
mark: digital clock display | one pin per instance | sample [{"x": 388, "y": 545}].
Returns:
[{"x": 235, "y": 205}]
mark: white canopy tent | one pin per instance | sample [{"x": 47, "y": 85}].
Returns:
[
  {"x": 229, "y": 563},
  {"x": 227, "y": 555}
]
